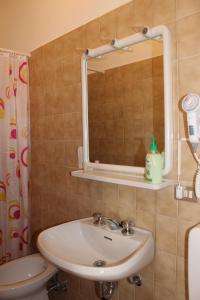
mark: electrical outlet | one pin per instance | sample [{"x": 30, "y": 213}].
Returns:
[
  {"x": 185, "y": 193},
  {"x": 189, "y": 194}
]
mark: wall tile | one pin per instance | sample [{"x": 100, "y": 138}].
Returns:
[
  {"x": 47, "y": 127},
  {"x": 59, "y": 154},
  {"x": 189, "y": 211},
  {"x": 78, "y": 36},
  {"x": 108, "y": 26},
  {"x": 83, "y": 187},
  {"x": 183, "y": 230},
  {"x": 146, "y": 200},
  {"x": 110, "y": 196},
  {"x": 187, "y": 163},
  {"x": 146, "y": 220},
  {"x": 127, "y": 203},
  {"x": 188, "y": 36},
  {"x": 93, "y": 39},
  {"x": 163, "y": 293},
  {"x": 188, "y": 72},
  {"x": 165, "y": 270},
  {"x": 71, "y": 157},
  {"x": 72, "y": 127},
  {"x": 126, "y": 290},
  {"x": 182, "y": 277},
  {"x": 68, "y": 48},
  {"x": 57, "y": 126},
  {"x": 125, "y": 20},
  {"x": 187, "y": 7},
  {"x": 36, "y": 68},
  {"x": 38, "y": 128},
  {"x": 72, "y": 98},
  {"x": 96, "y": 190},
  {"x": 143, "y": 12},
  {"x": 166, "y": 234},
  {"x": 71, "y": 182},
  {"x": 166, "y": 204},
  {"x": 163, "y": 11},
  {"x": 71, "y": 72},
  {"x": 37, "y": 106},
  {"x": 148, "y": 272},
  {"x": 146, "y": 291},
  {"x": 87, "y": 288}
]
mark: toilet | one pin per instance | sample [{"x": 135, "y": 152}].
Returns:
[{"x": 25, "y": 278}]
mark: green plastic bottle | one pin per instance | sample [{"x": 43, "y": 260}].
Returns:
[{"x": 154, "y": 163}]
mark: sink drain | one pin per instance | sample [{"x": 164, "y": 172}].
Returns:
[{"x": 99, "y": 263}]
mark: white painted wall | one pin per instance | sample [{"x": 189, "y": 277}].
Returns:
[{"x": 28, "y": 24}]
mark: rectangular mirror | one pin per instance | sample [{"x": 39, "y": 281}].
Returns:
[
  {"x": 126, "y": 99},
  {"x": 126, "y": 104}
]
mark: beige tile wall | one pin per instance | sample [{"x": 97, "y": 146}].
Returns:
[
  {"x": 56, "y": 133},
  {"x": 125, "y": 109}
]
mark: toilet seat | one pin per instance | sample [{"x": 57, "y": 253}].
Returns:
[{"x": 20, "y": 276}]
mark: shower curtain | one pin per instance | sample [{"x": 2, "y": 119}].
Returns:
[{"x": 14, "y": 156}]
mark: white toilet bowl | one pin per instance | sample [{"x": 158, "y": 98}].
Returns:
[{"x": 25, "y": 278}]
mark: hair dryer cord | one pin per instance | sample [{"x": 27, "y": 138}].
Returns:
[{"x": 197, "y": 177}]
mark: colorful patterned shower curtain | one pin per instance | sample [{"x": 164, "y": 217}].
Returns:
[{"x": 14, "y": 156}]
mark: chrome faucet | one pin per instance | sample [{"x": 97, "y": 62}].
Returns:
[
  {"x": 100, "y": 219},
  {"x": 126, "y": 225}
]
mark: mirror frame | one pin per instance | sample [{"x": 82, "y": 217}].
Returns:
[{"x": 147, "y": 33}]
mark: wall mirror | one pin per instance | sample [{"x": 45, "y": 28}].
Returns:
[{"x": 127, "y": 91}]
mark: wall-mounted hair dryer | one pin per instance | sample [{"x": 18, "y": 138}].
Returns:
[{"x": 191, "y": 105}]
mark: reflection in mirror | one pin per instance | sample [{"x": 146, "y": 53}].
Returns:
[{"x": 126, "y": 104}]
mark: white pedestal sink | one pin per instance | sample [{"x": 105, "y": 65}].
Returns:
[{"x": 76, "y": 246}]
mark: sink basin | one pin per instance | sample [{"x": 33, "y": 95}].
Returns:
[{"x": 79, "y": 246}]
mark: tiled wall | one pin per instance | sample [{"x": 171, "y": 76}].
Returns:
[
  {"x": 56, "y": 133},
  {"x": 126, "y": 108}
]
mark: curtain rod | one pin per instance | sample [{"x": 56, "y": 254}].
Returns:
[{"x": 15, "y": 52}]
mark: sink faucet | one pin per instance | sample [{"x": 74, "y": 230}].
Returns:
[
  {"x": 126, "y": 225},
  {"x": 100, "y": 219}
]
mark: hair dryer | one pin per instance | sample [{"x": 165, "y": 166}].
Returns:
[{"x": 191, "y": 105}]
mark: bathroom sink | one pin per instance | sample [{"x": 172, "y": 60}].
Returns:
[{"x": 96, "y": 252}]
